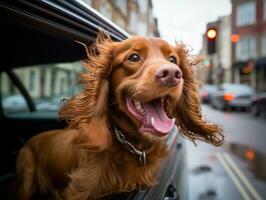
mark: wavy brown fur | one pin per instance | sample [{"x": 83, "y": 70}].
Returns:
[
  {"x": 188, "y": 110},
  {"x": 90, "y": 108}
]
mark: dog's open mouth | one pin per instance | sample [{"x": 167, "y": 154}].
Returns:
[{"x": 151, "y": 115}]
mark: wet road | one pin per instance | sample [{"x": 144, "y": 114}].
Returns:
[{"x": 236, "y": 170}]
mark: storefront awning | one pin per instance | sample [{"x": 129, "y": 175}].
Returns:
[{"x": 261, "y": 62}]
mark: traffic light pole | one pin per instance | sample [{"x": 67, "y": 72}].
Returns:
[{"x": 210, "y": 78}]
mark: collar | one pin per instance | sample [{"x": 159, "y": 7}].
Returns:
[{"x": 130, "y": 147}]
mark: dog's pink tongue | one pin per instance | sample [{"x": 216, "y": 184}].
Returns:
[{"x": 155, "y": 110}]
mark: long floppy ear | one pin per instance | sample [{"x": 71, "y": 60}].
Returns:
[
  {"x": 188, "y": 110},
  {"x": 88, "y": 111}
]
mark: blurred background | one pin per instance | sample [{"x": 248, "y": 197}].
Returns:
[{"x": 230, "y": 35}]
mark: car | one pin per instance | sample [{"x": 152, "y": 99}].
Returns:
[
  {"x": 232, "y": 96},
  {"x": 40, "y": 60},
  {"x": 258, "y": 104},
  {"x": 14, "y": 103},
  {"x": 206, "y": 92}
]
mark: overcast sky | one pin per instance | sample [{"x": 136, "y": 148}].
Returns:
[{"x": 186, "y": 19}]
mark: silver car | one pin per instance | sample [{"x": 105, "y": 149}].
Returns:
[{"x": 232, "y": 96}]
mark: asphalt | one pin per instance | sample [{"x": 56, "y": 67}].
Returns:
[{"x": 237, "y": 169}]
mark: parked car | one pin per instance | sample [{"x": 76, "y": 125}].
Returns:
[
  {"x": 206, "y": 92},
  {"x": 232, "y": 96},
  {"x": 258, "y": 104},
  {"x": 14, "y": 103},
  {"x": 40, "y": 36}
]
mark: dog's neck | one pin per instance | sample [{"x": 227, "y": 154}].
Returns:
[
  {"x": 141, "y": 154},
  {"x": 130, "y": 140}
]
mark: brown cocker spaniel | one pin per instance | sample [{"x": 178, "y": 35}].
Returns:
[{"x": 135, "y": 91}]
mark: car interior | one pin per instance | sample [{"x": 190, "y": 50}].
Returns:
[{"x": 21, "y": 47}]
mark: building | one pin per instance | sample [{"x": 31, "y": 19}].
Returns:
[
  {"x": 249, "y": 52},
  {"x": 224, "y": 50},
  {"x": 134, "y": 16},
  {"x": 216, "y": 67}
]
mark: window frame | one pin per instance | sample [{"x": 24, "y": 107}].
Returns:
[
  {"x": 246, "y": 13},
  {"x": 264, "y": 9},
  {"x": 244, "y": 48}
]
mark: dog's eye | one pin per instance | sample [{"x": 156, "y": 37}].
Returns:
[
  {"x": 134, "y": 58},
  {"x": 172, "y": 59}
]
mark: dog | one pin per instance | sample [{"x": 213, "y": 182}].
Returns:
[{"x": 134, "y": 93}]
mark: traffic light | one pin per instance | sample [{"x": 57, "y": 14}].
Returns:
[{"x": 211, "y": 35}]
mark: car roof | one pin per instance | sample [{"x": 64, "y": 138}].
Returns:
[
  {"x": 42, "y": 32},
  {"x": 235, "y": 87}
]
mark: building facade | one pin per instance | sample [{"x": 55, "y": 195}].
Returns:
[
  {"x": 134, "y": 16},
  {"x": 249, "y": 52}
]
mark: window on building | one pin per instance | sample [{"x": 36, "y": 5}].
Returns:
[
  {"x": 32, "y": 80},
  {"x": 263, "y": 48},
  {"x": 122, "y": 5},
  {"x": 150, "y": 17},
  {"x": 264, "y": 9},
  {"x": 134, "y": 21},
  {"x": 63, "y": 85},
  {"x": 246, "y": 13},
  {"x": 143, "y": 6},
  {"x": 87, "y": 2},
  {"x": 246, "y": 48},
  {"x": 142, "y": 28},
  {"x": 106, "y": 10}
]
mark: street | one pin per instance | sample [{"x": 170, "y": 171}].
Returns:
[{"x": 237, "y": 169}]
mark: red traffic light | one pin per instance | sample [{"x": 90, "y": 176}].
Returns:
[
  {"x": 211, "y": 33},
  {"x": 235, "y": 38},
  {"x": 211, "y": 36}
]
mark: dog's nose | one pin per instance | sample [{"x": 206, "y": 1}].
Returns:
[{"x": 169, "y": 75}]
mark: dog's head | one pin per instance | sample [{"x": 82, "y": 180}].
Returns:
[{"x": 144, "y": 86}]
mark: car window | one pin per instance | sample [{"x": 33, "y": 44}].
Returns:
[
  {"x": 46, "y": 84},
  {"x": 11, "y": 98},
  {"x": 236, "y": 88},
  {"x": 208, "y": 87}
]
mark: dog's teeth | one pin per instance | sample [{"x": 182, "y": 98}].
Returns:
[
  {"x": 139, "y": 108},
  {"x": 152, "y": 121},
  {"x": 136, "y": 103}
]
